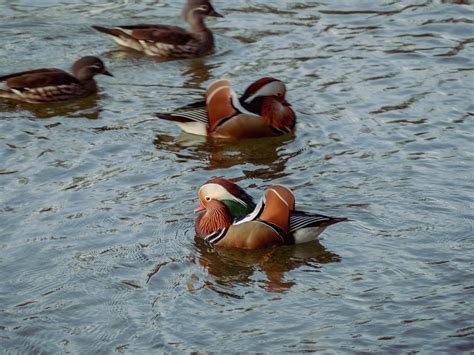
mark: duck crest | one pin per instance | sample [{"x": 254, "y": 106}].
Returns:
[
  {"x": 235, "y": 208},
  {"x": 254, "y": 87}
]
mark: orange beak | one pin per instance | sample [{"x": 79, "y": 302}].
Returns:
[{"x": 200, "y": 208}]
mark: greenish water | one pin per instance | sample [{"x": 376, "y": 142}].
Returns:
[{"x": 97, "y": 250}]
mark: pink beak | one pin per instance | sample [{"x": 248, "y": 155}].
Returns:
[{"x": 200, "y": 208}]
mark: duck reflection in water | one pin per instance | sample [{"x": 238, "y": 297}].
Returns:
[
  {"x": 195, "y": 71},
  {"x": 224, "y": 153},
  {"x": 87, "y": 107},
  {"x": 232, "y": 267}
]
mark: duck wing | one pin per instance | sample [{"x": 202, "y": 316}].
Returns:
[
  {"x": 300, "y": 220},
  {"x": 195, "y": 112},
  {"x": 157, "y": 33},
  {"x": 38, "y": 78},
  {"x": 211, "y": 112}
]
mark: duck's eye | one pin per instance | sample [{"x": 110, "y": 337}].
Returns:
[
  {"x": 279, "y": 94},
  {"x": 204, "y": 7},
  {"x": 208, "y": 198}
]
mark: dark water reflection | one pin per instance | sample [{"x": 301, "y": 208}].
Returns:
[
  {"x": 233, "y": 268},
  {"x": 82, "y": 108},
  {"x": 97, "y": 249},
  {"x": 220, "y": 154}
]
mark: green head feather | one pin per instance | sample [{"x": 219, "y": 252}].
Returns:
[{"x": 237, "y": 209}]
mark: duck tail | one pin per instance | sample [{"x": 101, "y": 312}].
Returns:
[{"x": 110, "y": 31}]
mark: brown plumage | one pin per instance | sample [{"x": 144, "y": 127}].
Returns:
[
  {"x": 166, "y": 40},
  {"x": 261, "y": 112},
  {"x": 230, "y": 219},
  {"x": 49, "y": 85},
  {"x": 216, "y": 217}
]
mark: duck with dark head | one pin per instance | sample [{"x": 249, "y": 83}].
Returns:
[
  {"x": 166, "y": 40},
  {"x": 51, "y": 85}
]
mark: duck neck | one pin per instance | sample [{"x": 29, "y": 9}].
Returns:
[
  {"x": 200, "y": 30},
  {"x": 255, "y": 106},
  {"x": 197, "y": 24},
  {"x": 83, "y": 74},
  {"x": 90, "y": 85}
]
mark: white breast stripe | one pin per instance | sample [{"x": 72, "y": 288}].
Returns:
[
  {"x": 254, "y": 214},
  {"x": 211, "y": 236},
  {"x": 238, "y": 106},
  {"x": 216, "y": 236}
]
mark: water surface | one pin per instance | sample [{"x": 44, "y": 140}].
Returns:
[{"x": 97, "y": 250}]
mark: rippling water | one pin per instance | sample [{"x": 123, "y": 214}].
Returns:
[{"x": 97, "y": 251}]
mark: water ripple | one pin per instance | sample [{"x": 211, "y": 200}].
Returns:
[{"x": 96, "y": 223}]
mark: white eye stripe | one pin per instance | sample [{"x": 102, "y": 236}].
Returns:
[
  {"x": 204, "y": 8},
  {"x": 274, "y": 88},
  {"x": 96, "y": 66},
  {"x": 218, "y": 192}
]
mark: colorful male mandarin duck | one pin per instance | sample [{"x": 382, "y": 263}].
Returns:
[
  {"x": 232, "y": 220},
  {"x": 166, "y": 40},
  {"x": 49, "y": 85},
  {"x": 262, "y": 111}
]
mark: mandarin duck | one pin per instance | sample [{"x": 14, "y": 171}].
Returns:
[
  {"x": 166, "y": 40},
  {"x": 229, "y": 217},
  {"x": 50, "y": 85},
  {"x": 262, "y": 111}
]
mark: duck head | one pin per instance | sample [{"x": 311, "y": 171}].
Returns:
[
  {"x": 222, "y": 201},
  {"x": 88, "y": 67},
  {"x": 198, "y": 9},
  {"x": 267, "y": 97},
  {"x": 236, "y": 201}
]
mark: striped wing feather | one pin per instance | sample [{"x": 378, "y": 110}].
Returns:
[
  {"x": 196, "y": 112},
  {"x": 214, "y": 110},
  {"x": 300, "y": 220}
]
